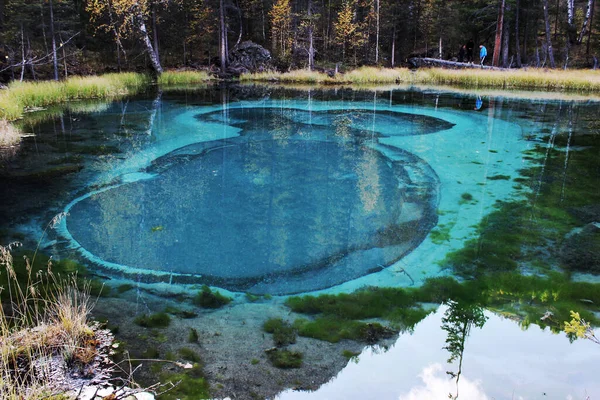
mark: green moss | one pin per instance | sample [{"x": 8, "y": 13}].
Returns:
[
  {"x": 285, "y": 358},
  {"x": 158, "y": 320},
  {"x": 254, "y": 361},
  {"x": 206, "y": 298},
  {"x": 151, "y": 353},
  {"x": 283, "y": 332},
  {"x": 188, "y": 385},
  {"x": 193, "y": 336},
  {"x": 189, "y": 354}
]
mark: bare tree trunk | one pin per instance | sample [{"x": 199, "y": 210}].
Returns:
[
  {"x": 43, "y": 26},
  {"x": 505, "y": 41},
  {"x": 440, "y": 49},
  {"x": 526, "y": 36},
  {"x": 311, "y": 48},
  {"x": 498, "y": 40},
  {"x": 394, "y": 47},
  {"x": 31, "y": 67},
  {"x": 590, "y": 32},
  {"x": 154, "y": 61},
  {"x": 517, "y": 44},
  {"x": 377, "y": 34},
  {"x": 22, "y": 55},
  {"x": 54, "y": 58},
  {"x": 155, "y": 33},
  {"x": 222, "y": 36},
  {"x": 588, "y": 15},
  {"x": 548, "y": 38},
  {"x": 64, "y": 60}
]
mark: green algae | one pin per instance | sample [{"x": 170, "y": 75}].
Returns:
[
  {"x": 283, "y": 332},
  {"x": 206, "y": 298},
  {"x": 188, "y": 385},
  {"x": 285, "y": 359},
  {"x": 157, "y": 320}
]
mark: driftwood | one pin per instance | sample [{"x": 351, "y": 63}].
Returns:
[{"x": 418, "y": 62}]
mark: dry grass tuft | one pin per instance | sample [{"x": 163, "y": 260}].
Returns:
[
  {"x": 43, "y": 323},
  {"x": 9, "y": 134}
]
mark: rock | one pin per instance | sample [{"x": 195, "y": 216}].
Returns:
[
  {"x": 248, "y": 57},
  {"x": 581, "y": 249}
]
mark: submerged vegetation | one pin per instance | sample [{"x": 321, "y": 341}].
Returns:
[
  {"x": 206, "y": 298},
  {"x": 339, "y": 316}
]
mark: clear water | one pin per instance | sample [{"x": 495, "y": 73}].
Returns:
[
  {"x": 275, "y": 191},
  {"x": 289, "y": 210}
]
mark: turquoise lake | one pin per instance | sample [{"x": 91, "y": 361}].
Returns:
[{"x": 262, "y": 193}]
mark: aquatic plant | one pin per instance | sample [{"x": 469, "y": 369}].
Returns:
[
  {"x": 332, "y": 329},
  {"x": 193, "y": 336},
  {"x": 157, "y": 320},
  {"x": 189, "y": 384},
  {"x": 285, "y": 358},
  {"x": 283, "y": 332},
  {"x": 206, "y": 298},
  {"x": 189, "y": 355}
]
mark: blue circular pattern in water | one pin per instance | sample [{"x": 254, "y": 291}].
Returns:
[{"x": 287, "y": 207}]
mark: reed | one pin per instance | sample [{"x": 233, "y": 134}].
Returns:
[
  {"x": 183, "y": 77},
  {"x": 536, "y": 79},
  {"x": 370, "y": 75},
  {"x": 22, "y": 96},
  {"x": 296, "y": 76}
]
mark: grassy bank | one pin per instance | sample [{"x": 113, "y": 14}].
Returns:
[
  {"x": 22, "y": 96},
  {"x": 169, "y": 78},
  {"x": 577, "y": 80}
]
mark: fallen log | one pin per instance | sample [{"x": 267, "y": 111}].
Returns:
[{"x": 419, "y": 62}]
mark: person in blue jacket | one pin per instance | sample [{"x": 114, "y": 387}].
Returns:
[{"x": 482, "y": 53}]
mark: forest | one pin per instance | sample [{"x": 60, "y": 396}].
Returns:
[{"x": 53, "y": 39}]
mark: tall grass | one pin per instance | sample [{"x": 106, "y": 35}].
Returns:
[
  {"x": 43, "y": 329},
  {"x": 21, "y": 96},
  {"x": 183, "y": 77},
  {"x": 537, "y": 79}
]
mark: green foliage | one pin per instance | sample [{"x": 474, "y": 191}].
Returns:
[
  {"x": 285, "y": 358},
  {"x": 158, "y": 320},
  {"x": 283, "y": 332},
  {"x": 254, "y": 361},
  {"x": 206, "y": 298}
]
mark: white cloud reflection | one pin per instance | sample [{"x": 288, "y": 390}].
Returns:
[{"x": 439, "y": 386}]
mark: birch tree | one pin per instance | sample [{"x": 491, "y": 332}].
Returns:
[{"x": 128, "y": 19}]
